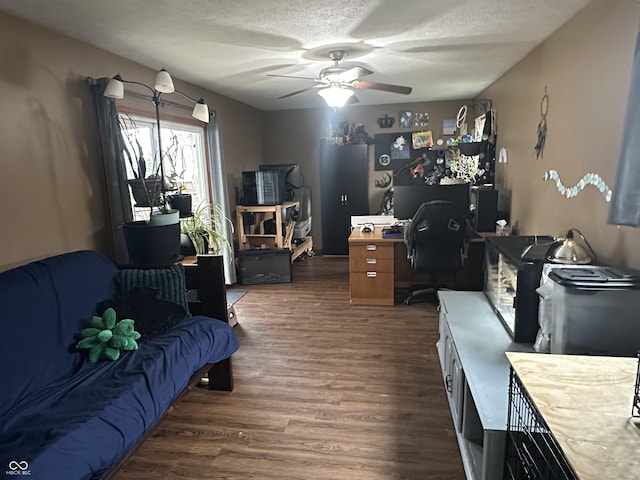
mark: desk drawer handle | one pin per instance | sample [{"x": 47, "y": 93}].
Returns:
[
  {"x": 372, "y": 261},
  {"x": 372, "y": 274},
  {"x": 372, "y": 247}
]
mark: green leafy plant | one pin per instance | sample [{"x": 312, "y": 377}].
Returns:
[
  {"x": 204, "y": 229},
  {"x": 145, "y": 183}
]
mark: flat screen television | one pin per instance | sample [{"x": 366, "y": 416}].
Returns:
[{"x": 408, "y": 198}]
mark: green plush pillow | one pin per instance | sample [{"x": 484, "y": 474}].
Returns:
[
  {"x": 168, "y": 281},
  {"x": 105, "y": 338}
]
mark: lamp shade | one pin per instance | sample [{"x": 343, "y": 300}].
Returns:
[
  {"x": 335, "y": 95},
  {"x": 164, "y": 82},
  {"x": 569, "y": 252},
  {"x": 115, "y": 88},
  {"x": 201, "y": 111}
]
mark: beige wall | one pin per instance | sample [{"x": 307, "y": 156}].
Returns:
[
  {"x": 293, "y": 136},
  {"x": 52, "y": 182},
  {"x": 53, "y": 186},
  {"x": 586, "y": 68}
]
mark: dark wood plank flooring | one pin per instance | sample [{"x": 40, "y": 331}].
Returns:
[{"x": 323, "y": 390}]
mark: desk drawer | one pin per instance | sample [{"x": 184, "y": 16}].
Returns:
[
  {"x": 370, "y": 264},
  {"x": 371, "y": 250},
  {"x": 371, "y": 288}
]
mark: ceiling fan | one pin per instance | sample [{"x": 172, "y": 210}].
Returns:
[{"x": 337, "y": 84}]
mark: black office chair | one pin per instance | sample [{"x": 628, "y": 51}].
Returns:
[{"x": 436, "y": 238}]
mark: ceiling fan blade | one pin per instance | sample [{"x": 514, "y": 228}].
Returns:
[
  {"x": 382, "y": 86},
  {"x": 352, "y": 100},
  {"x": 300, "y": 91},
  {"x": 291, "y": 76},
  {"x": 353, "y": 74}
]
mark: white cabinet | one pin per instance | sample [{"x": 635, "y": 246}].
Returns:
[
  {"x": 471, "y": 349},
  {"x": 452, "y": 373}
]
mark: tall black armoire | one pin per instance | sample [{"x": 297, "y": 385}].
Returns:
[{"x": 344, "y": 188}]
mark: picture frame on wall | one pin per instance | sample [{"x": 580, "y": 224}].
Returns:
[
  {"x": 420, "y": 119},
  {"x": 422, "y": 139},
  {"x": 405, "y": 119},
  {"x": 393, "y": 150}
]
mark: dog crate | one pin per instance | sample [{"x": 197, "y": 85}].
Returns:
[{"x": 532, "y": 452}]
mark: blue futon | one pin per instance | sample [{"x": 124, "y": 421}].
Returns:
[{"x": 62, "y": 417}]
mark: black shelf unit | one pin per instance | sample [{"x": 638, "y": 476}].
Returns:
[{"x": 344, "y": 181}]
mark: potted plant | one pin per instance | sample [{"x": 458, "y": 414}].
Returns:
[
  {"x": 180, "y": 200},
  {"x": 202, "y": 232},
  {"x": 146, "y": 190},
  {"x": 156, "y": 240}
]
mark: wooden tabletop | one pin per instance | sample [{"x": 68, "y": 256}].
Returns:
[
  {"x": 357, "y": 236},
  {"x": 586, "y": 402}
]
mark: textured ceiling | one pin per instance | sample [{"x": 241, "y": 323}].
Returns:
[{"x": 444, "y": 49}]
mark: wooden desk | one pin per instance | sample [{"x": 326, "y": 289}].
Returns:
[{"x": 377, "y": 266}]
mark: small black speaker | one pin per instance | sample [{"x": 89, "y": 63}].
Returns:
[{"x": 484, "y": 208}]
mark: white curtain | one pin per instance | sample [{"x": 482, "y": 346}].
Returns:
[{"x": 220, "y": 193}]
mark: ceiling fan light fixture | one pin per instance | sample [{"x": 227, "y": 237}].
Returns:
[{"x": 335, "y": 95}]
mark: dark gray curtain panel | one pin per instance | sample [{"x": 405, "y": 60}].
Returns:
[
  {"x": 111, "y": 148},
  {"x": 220, "y": 194},
  {"x": 625, "y": 201}
]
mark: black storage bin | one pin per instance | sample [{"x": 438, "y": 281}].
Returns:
[{"x": 261, "y": 266}]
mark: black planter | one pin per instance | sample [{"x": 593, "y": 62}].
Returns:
[
  {"x": 187, "y": 248},
  {"x": 145, "y": 190},
  {"x": 152, "y": 244},
  {"x": 181, "y": 202},
  {"x": 186, "y": 245},
  {"x": 472, "y": 148}
]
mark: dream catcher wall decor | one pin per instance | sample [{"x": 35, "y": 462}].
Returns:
[{"x": 542, "y": 125}]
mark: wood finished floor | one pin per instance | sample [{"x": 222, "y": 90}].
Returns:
[{"x": 323, "y": 390}]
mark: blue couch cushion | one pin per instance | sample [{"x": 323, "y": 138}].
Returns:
[
  {"x": 82, "y": 426},
  {"x": 42, "y": 306}
]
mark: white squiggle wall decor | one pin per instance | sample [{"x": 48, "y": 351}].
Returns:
[{"x": 589, "y": 179}]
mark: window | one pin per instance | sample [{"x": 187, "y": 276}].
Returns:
[{"x": 184, "y": 160}]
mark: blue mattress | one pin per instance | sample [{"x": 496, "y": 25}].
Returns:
[{"x": 82, "y": 426}]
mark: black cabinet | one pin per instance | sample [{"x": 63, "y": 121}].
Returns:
[{"x": 344, "y": 192}]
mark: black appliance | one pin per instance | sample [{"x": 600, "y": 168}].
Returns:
[
  {"x": 513, "y": 267},
  {"x": 484, "y": 208},
  {"x": 293, "y": 177},
  {"x": 264, "y": 187},
  {"x": 408, "y": 198},
  {"x": 262, "y": 266}
]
